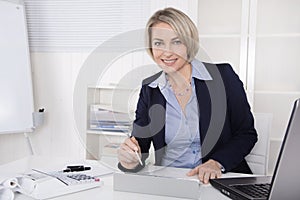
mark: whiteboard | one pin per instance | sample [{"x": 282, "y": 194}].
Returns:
[{"x": 16, "y": 95}]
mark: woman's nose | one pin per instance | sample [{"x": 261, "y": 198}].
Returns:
[
  {"x": 168, "y": 50},
  {"x": 167, "y": 53}
]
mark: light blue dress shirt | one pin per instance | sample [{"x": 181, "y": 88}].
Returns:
[{"x": 182, "y": 134}]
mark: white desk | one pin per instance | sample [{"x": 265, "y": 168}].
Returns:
[{"x": 104, "y": 192}]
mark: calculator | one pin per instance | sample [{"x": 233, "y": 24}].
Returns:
[
  {"x": 64, "y": 183},
  {"x": 72, "y": 178}
]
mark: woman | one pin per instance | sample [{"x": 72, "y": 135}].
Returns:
[{"x": 177, "y": 107}]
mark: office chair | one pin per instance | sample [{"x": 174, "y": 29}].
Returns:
[{"x": 258, "y": 157}]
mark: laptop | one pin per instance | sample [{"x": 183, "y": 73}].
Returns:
[{"x": 285, "y": 182}]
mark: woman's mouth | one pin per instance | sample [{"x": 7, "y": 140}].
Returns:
[{"x": 169, "y": 62}]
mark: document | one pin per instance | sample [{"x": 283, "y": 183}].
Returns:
[{"x": 167, "y": 172}]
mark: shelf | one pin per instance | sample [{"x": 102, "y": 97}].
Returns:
[
  {"x": 112, "y": 133},
  {"x": 110, "y": 87},
  {"x": 110, "y": 149},
  {"x": 100, "y": 142}
]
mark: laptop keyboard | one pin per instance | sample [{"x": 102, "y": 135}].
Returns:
[{"x": 254, "y": 190}]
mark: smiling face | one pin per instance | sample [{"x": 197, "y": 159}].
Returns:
[{"x": 168, "y": 50}]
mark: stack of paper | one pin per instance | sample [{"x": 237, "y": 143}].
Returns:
[{"x": 107, "y": 120}]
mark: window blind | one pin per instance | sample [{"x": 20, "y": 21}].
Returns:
[{"x": 68, "y": 25}]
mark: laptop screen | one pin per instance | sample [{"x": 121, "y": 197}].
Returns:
[{"x": 286, "y": 178}]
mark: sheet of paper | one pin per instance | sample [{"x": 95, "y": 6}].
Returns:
[
  {"x": 98, "y": 169},
  {"x": 169, "y": 172}
]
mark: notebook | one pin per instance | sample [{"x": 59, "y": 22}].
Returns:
[{"x": 284, "y": 184}]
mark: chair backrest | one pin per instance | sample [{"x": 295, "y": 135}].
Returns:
[{"x": 258, "y": 157}]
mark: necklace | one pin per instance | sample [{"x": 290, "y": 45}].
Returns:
[{"x": 182, "y": 92}]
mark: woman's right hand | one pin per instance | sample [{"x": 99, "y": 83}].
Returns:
[{"x": 126, "y": 153}]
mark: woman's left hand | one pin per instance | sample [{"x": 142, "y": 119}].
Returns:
[{"x": 208, "y": 170}]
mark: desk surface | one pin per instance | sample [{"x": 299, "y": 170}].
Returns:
[{"x": 106, "y": 191}]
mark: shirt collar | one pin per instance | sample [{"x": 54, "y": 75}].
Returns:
[
  {"x": 161, "y": 81},
  {"x": 199, "y": 71}
]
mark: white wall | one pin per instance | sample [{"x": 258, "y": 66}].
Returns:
[
  {"x": 277, "y": 46},
  {"x": 54, "y": 76}
]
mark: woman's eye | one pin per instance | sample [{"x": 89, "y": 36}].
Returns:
[
  {"x": 177, "y": 42},
  {"x": 157, "y": 43}
]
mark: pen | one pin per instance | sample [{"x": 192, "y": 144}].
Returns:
[
  {"x": 76, "y": 168},
  {"x": 137, "y": 155}
]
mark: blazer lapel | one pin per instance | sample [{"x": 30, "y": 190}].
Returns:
[
  {"x": 204, "y": 103},
  {"x": 158, "y": 118}
]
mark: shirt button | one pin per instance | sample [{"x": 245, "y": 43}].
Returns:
[{"x": 194, "y": 152}]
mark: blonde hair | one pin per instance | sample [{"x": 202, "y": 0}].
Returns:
[{"x": 181, "y": 24}]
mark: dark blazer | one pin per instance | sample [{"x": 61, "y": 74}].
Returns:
[{"x": 226, "y": 123}]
